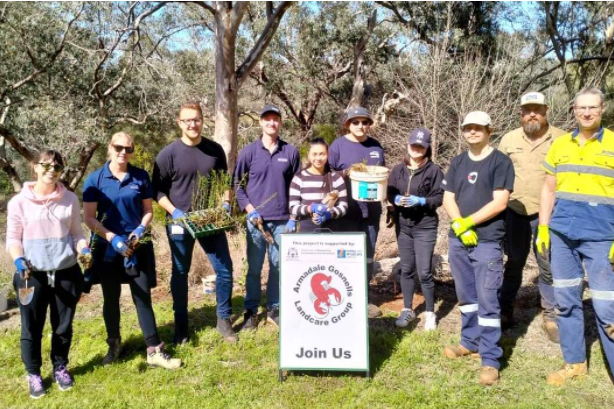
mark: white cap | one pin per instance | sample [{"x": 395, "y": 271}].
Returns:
[
  {"x": 477, "y": 118},
  {"x": 536, "y": 98}
]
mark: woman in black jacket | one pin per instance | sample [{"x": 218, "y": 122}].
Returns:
[{"x": 414, "y": 187}]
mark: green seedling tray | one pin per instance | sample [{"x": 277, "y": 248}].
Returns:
[{"x": 206, "y": 230}]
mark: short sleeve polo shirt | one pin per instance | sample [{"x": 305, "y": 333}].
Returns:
[{"x": 120, "y": 203}]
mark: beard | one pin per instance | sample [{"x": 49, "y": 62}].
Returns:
[{"x": 532, "y": 127}]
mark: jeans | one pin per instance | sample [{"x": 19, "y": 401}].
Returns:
[
  {"x": 520, "y": 233},
  {"x": 568, "y": 258},
  {"x": 478, "y": 272},
  {"x": 257, "y": 247},
  {"x": 416, "y": 248},
  {"x": 369, "y": 226},
  {"x": 216, "y": 248},
  {"x": 62, "y": 301}
]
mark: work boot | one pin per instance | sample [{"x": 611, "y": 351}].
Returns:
[
  {"x": 374, "y": 311},
  {"x": 458, "y": 351},
  {"x": 157, "y": 356},
  {"x": 36, "y": 386},
  {"x": 272, "y": 316},
  {"x": 569, "y": 371},
  {"x": 250, "y": 321},
  {"x": 115, "y": 349},
  {"x": 489, "y": 375},
  {"x": 224, "y": 327},
  {"x": 63, "y": 378},
  {"x": 552, "y": 330}
]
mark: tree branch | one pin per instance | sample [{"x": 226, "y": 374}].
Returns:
[{"x": 204, "y": 5}]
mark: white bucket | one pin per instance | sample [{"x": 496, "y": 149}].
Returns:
[{"x": 370, "y": 186}]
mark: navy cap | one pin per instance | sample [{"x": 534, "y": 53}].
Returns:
[
  {"x": 357, "y": 112},
  {"x": 270, "y": 108},
  {"x": 420, "y": 136}
]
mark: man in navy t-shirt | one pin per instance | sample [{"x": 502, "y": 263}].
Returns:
[
  {"x": 477, "y": 189},
  {"x": 262, "y": 178},
  {"x": 176, "y": 170}
]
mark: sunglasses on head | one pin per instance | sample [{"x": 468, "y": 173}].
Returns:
[
  {"x": 364, "y": 122},
  {"x": 119, "y": 148},
  {"x": 55, "y": 167}
]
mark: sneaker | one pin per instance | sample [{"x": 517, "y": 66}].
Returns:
[
  {"x": 569, "y": 371},
  {"x": 115, "y": 349},
  {"x": 63, "y": 378},
  {"x": 374, "y": 311},
  {"x": 458, "y": 351},
  {"x": 272, "y": 316},
  {"x": 430, "y": 321},
  {"x": 552, "y": 330},
  {"x": 489, "y": 375},
  {"x": 157, "y": 356},
  {"x": 250, "y": 321},
  {"x": 36, "y": 386},
  {"x": 407, "y": 315},
  {"x": 224, "y": 327}
]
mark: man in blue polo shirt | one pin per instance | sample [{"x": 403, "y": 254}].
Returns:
[
  {"x": 176, "y": 169},
  {"x": 262, "y": 177}
]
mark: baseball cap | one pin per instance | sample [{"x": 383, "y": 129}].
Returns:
[
  {"x": 270, "y": 108},
  {"x": 420, "y": 136},
  {"x": 536, "y": 98},
  {"x": 477, "y": 118},
  {"x": 358, "y": 112}
]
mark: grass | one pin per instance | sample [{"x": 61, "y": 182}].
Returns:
[{"x": 409, "y": 371}]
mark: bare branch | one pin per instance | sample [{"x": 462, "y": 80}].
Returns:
[
  {"x": 204, "y": 5},
  {"x": 18, "y": 145}
]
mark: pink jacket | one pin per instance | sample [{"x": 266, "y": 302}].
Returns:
[{"x": 46, "y": 228}]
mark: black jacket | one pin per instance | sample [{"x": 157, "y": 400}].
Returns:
[{"x": 425, "y": 182}]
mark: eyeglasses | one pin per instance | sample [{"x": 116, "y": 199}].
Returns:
[
  {"x": 191, "y": 121},
  {"x": 365, "y": 122},
  {"x": 119, "y": 148},
  {"x": 47, "y": 166},
  {"x": 591, "y": 109}
]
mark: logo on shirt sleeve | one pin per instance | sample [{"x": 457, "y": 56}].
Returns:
[
  {"x": 282, "y": 159},
  {"x": 374, "y": 154},
  {"x": 472, "y": 177},
  {"x": 443, "y": 182}
]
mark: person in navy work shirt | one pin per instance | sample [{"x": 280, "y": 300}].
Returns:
[
  {"x": 358, "y": 147},
  {"x": 262, "y": 178},
  {"x": 117, "y": 207},
  {"x": 176, "y": 171}
]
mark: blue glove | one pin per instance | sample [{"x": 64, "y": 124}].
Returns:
[
  {"x": 21, "y": 264},
  {"x": 119, "y": 245},
  {"x": 291, "y": 226},
  {"x": 253, "y": 216},
  {"x": 138, "y": 232},
  {"x": 400, "y": 200},
  {"x": 177, "y": 214},
  {"x": 323, "y": 217},
  {"x": 318, "y": 208},
  {"x": 227, "y": 207},
  {"x": 415, "y": 201}
]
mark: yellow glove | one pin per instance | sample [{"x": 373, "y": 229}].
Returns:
[
  {"x": 469, "y": 238},
  {"x": 543, "y": 242},
  {"x": 461, "y": 225},
  {"x": 612, "y": 255}
]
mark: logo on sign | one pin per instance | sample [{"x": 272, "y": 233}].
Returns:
[
  {"x": 472, "y": 177},
  {"x": 292, "y": 253},
  {"x": 324, "y": 296},
  {"x": 340, "y": 253}
]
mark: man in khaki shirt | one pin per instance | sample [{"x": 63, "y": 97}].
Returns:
[{"x": 527, "y": 147}]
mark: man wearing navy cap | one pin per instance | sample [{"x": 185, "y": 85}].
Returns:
[{"x": 262, "y": 179}]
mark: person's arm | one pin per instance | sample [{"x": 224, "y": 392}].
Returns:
[
  {"x": 492, "y": 208},
  {"x": 294, "y": 198},
  {"x": 76, "y": 230},
  {"x": 14, "y": 231},
  {"x": 341, "y": 207},
  {"x": 546, "y": 200},
  {"x": 161, "y": 184},
  {"x": 449, "y": 203},
  {"x": 89, "y": 217},
  {"x": 434, "y": 197},
  {"x": 240, "y": 182}
]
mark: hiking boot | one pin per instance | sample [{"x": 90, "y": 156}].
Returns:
[
  {"x": 250, "y": 321},
  {"x": 489, "y": 375},
  {"x": 63, "y": 378},
  {"x": 272, "y": 316},
  {"x": 458, "y": 351},
  {"x": 115, "y": 349},
  {"x": 224, "y": 327},
  {"x": 430, "y": 321},
  {"x": 157, "y": 356},
  {"x": 552, "y": 330},
  {"x": 36, "y": 386},
  {"x": 374, "y": 311},
  {"x": 569, "y": 371},
  {"x": 407, "y": 315}
]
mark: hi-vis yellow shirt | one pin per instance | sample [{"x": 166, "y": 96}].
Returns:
[{"x": 584, "y": 206}]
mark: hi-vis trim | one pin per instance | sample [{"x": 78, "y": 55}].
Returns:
[
  {"x": 547, "y": 166},
  {"x": 468, "y": 308},
  {"x": 593, "y": 170},
  {"x": 602, "y": 295},
  {"x": 489, "y": 322},
  {"x": 577, "y": 197},
  {"x": 572, "y": 282}
]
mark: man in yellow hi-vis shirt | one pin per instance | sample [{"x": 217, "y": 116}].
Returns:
[{"x": 576, "y": 217}]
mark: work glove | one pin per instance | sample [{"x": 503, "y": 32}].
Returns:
[
  {"x": 543, "y": 242},
  {"x": 119, "y": 245},
  {"x": 253, "y": 217},
  {"x": 416, "y": 201},
  {"x": 85, "y": 258},
  {"x": 461, "y": 225},
  {"x": 469, "y": 238},
  {"x": 611, "y": 256},
  {"x": 290, "y": 226},
  {"x": 177, "y": 214},
  {"x": 22, "y": 268},
  {"x": 318, "y": 208},
  {"x": 227, "y": 208},
  {"x": 323, "y": 217},
  {"x": 137, "y": 233},
  {"x": 401, "y": 200}
]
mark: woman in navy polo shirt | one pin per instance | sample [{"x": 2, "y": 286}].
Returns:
[{"x": 117, "y": 207}]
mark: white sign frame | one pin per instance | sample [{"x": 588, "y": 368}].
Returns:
[{"x": 355, "y": 328}]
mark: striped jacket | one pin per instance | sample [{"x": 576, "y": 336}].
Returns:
[{"x": 307, "y": 189}]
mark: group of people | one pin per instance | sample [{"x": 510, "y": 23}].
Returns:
[{"x": 570, "y": 217}]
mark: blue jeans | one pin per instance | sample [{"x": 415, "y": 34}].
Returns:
[
  {"x": 216, "y": 248},
  {"x": 256, "y": 249},
  {"x": 478, "y": 273},
  {"x": 568, "y": 273}
]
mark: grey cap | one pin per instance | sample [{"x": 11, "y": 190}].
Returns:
[
  {"x": 358, "y": 112},
  {"x": 420, "y": 136},
  {"x": 270, "y": 108}
]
